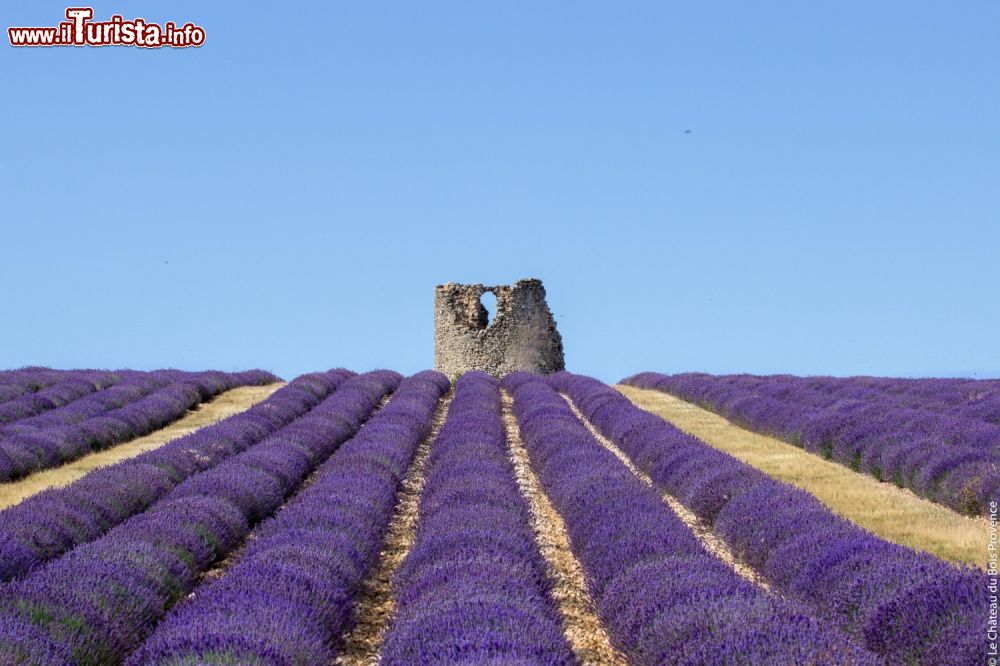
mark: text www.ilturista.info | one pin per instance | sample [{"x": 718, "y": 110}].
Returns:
[{"x": 80, "y": 30}]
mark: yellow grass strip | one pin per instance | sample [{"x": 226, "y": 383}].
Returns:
[
  {"x": 222, "y": 406},
  {"x": 376, "y": 605},
  {"x": 892, "y": 513},
  {"x": 587, "y": 636},
  {"x": 701, "y": 530}
]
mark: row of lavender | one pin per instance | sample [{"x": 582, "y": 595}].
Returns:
[
  {"x": 129, "y": 386},
  {"x": 136, "y": 404},
  {"x": 139, "y": 403},
  {"x": 662, "y": 596},
  {"x": 474, "y": 587},
  {"x": 947, "y": 459},
  {"x": 52, "y": 522},
  {"x": 22, "y": 381},
  {"x": 97, "y": 603},
  {"x": 29, "y": 392},
  {"x": 289, "y": 596},
  {"x": 963, "y": 398},
  {"x": 907, "y": 606}
]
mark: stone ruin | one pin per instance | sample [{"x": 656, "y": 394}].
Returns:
[{"x": 522, "y": 335}]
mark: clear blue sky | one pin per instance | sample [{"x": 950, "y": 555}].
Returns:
[{"x": 289, "y": 200}]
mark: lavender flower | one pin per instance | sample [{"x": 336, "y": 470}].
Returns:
[
  {"x": 98, "y": 601},
  {"x": 137, "y": 404},
  {"x": 938, "y": 437},
  {"x": 290, "y": 595},
  {"x": 50, "y": 523},
  {"x": 907, "y": 606},
  {"x": 473, "y": 588},
  {"x": 663, "y": 597}
]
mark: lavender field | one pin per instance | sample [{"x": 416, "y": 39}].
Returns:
[
  {"x": 939, "y": 438},
  {"x": 380, "y": 519}
]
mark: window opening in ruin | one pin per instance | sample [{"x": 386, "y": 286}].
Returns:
[{"x": 489, "y": 301}]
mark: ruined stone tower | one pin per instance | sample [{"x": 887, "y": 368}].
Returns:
[{"x": 522, "y": 336}]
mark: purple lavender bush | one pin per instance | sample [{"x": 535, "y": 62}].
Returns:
[
  {"x": 97, "y": 603},
  {"x": 71, "y": 385},
  {"x": 109, "y": 417},
  {"x": 949, "y": 459},
  {"x": 22, "y": 381},
  {"x": 965, "y": 398},
  {"x": 130, "y": 386},
  {"x": 662, "y": 596},
  {"x": 909, "y": 607},
  {"x": 50, "y": 523},
  {"x": 473, "y": 588},
  {"x": 290, "y": 595}
]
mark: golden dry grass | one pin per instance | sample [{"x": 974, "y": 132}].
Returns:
[
  {"x": 583, "y": 629},
  {"x": 892, "y": 513},
  {"x": 222, "y": 406}
]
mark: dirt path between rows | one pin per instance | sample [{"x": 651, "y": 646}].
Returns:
[
  {"x": 702, "y": 532},
  {"x": 581, "y": 625},
  {"x": 221, "y": 407},
  {"x": 890, "y": 512},
  {"x": 376, "y": 604}
]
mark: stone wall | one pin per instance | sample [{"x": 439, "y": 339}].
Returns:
[{"x": 522, "y": 335}]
